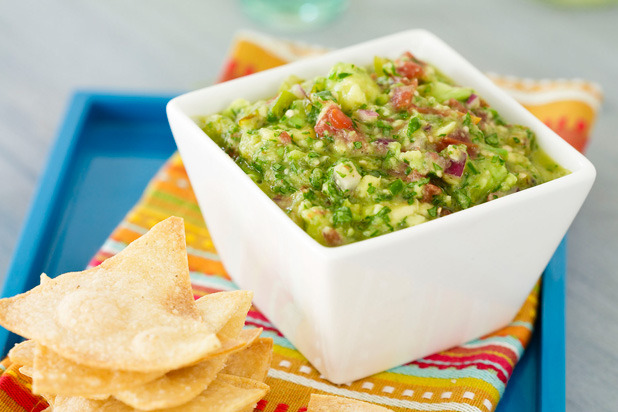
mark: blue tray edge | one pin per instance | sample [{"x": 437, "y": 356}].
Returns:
[
  {"x": 38, "y": 216},
  {"x": 552, "y": 380}
]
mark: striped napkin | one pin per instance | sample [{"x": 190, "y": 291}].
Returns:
[{"x": 471, "y": 377}]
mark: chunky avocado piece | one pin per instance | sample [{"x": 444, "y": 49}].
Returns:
[
  {"x": 280, "y": 105},
  {"x": 352, "y": 86},
  {"x": 444, "y": 92}
]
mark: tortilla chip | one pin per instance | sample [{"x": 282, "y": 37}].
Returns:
[
  {"x": 23, "y": 353},
  {"x": 248, "y": 385},
  {"x": 60, "y": 376},
  {"x": 26, "y": 371},
  {"x": 329, "y": 403},
  {"x": 225, "y": 312},
  {"x": 49, "y": 398},
  {"x": 228, "y": 346},
  {"x": 98, "y": 397},
  {"x": 174, "y": 388},
  {"x": 180, "y": 386},
  {"x": 225, "y": 394},
  {"x": 76, "y": 403},
  {"x": 133, "y": 312},
  {"x": 253, "y": 362}
]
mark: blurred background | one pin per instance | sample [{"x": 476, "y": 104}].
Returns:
[{"x": 51, "y": 48}]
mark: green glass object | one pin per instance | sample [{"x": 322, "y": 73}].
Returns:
[{"x": 293, "y": 15}]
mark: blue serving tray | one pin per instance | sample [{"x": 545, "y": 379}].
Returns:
[{"x": 108, "y": 148}]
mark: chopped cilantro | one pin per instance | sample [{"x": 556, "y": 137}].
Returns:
[
  {"x": 383, "y": 214},
  {"x": 309, "y": 195},
  {"x": 384, "y": 126},
  {"x": 403, "y": 115},
  {"x": 342, "y": 215},
  {"x": 257, "y": 167},
  {"x": 472, "y": 169},
  {"x": 462, "y": 198},
  {"x": 316, "y": 178},
  {"x": 325, "y": 95},
  {"x": 271, "y": 117},
  {"x": 312, "y": 116},
  {"x": 423, "y": 181},
  {"x": 467, "y": 121},
  {"x": 496, "y": 117},
  {"x": 384, "y": 196},
  {"x": 409, "y": 195},
  {"x": 492, "y": 139},
  {"x": 413, "y": 126},
  {"x": 396, "y": 187}
]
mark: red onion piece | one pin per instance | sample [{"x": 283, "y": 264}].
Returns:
[
  {"x": 456, "y": 168},
  {"x": 298, "y": 91},
  {"x": 384, "y": 141},
  {"x": 473, "y": 101},
  {"x": 367, "y": 115}
]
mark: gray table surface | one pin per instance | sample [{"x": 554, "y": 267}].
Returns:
[{"x": 50, "y": 48}]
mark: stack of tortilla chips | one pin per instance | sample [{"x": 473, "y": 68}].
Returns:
[{"x": 128, "y": 335}]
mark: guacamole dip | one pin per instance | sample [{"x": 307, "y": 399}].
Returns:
[{"x": 365, "y": 151}]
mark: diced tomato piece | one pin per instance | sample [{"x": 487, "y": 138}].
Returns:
[
  {"x": 331, "y": 236},
  {"x": 406, "y": 66},
  {"x": 427, "y": 110},
  {"x": 402, "y": 97},
  {"x": 333, "y": 119},
  {"x": 429, "y": 191},
  {"x": 339, "y": 120},
  {"x": 321, "y": 128},
  {"x": 457, "y": 105},
  {"x": 285, "y": 138},
  {"x": 459, "y": 137},
  {"x": 284, "y": 202},
  {"x": 413, "y": 176},
  {"x": 410, "y": 70}
]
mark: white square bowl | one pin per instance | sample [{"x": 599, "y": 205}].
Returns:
[{"x": 359, "y": 309}]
